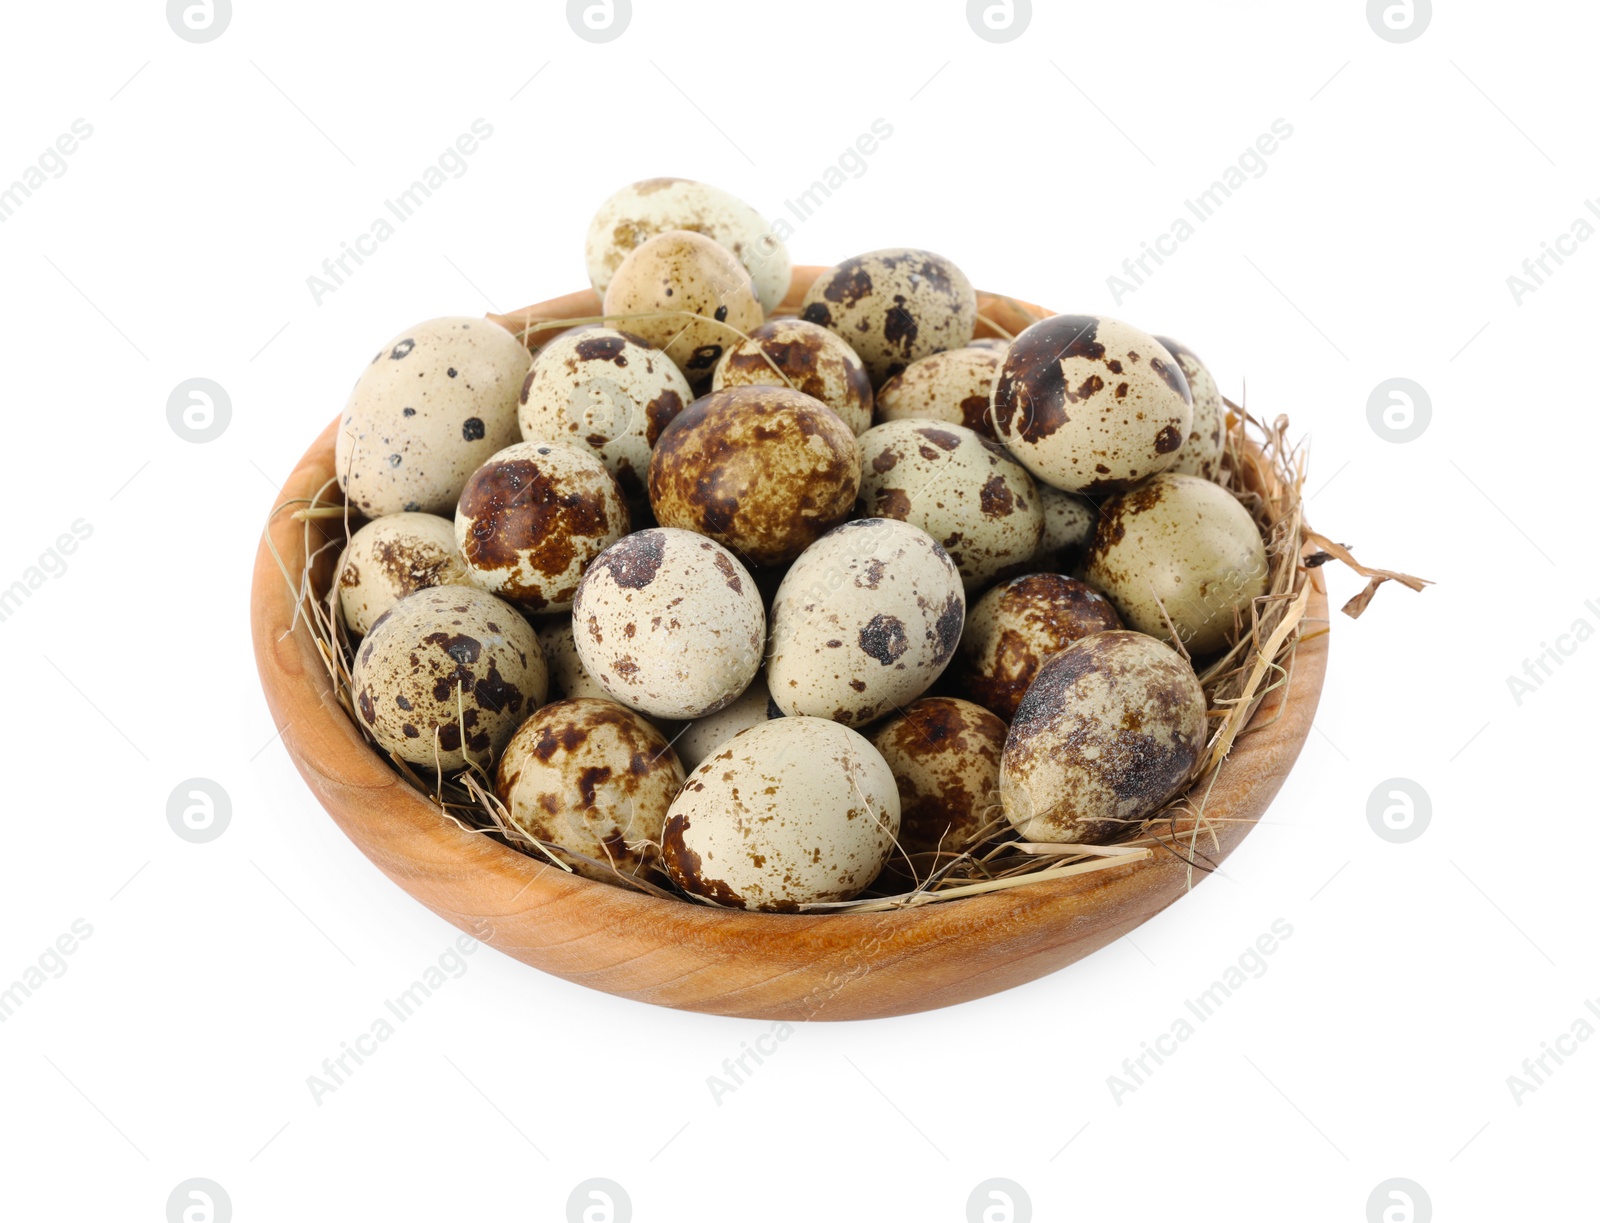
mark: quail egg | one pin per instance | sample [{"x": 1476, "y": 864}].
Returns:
[
  {"x": 699, "y": 739},
  {"x": 762, "y": 469},
  {"x": 793, "y": 811},
  {"x": 669, "y": 622},
  {"x": 1111, "y": 729},
  {"x": 1091, "y": 405},
  {"x": 952, "y": 386},
  {"x": 532, "y": 518},
  {"x": 894, "y": 307},
  {"x": 644, "y": 209},
  {"x": 1068, "y": 527},
  {"x": 863, "y": 622},
  {"x": 568, "y": 679},
  {"x": 594, "y": 779},
  {"x": 434, "y": 403},
  {"x": 676, "y": 275},
  {"x": 1014, "y": 628},
  {"x": 959, "y": 487},
  {"x": 392, "y": 557},
  {"x": 1183, "y": 544},
  {"x": 1202, "y": 451},
  {"x": 792, "y": 352},
  {"x": 447, "y": 675},
  {"x": 608, "y": 392},
  {"x": 945, "y": 757}
]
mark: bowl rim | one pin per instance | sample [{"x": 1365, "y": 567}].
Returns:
[{"x": 681, "y": 954}]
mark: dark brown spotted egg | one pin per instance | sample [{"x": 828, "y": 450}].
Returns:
[
  {"x": 1112, "y": 728},
  {"x": 593, "y": 781},
  {"x": 608, "y": 392},
  {"x": 863, "y": 622},
  {"x": 1019, "y": 624},
  {"x": 1091, "y": 404},
  {"x": 959, "y": 487},
  {"x": 1183, "y": 549},
  {"x": 447, "y": 675},
  {"x": 531, "y": 519},
  {"x": 686, "y": 295},
  {"x": 793, "y": 811},
  {"x": 436, "y": 401},
  {"x": 644, "y": 209},
  {"x": 763, "y": 469},
  {"x": 392, "y": 557},
  {"x": 894, "y": 307},
  {"x": 1202, "y": 451},
  {"x": 1068, "y": 527},
  {"x": 945, "y": 757},
  {"x": 700, "y": 738},
  {"x": 669, "y": 623},
  {"x": 951, "y": 386},
  {"x": 812, "y": 360}
]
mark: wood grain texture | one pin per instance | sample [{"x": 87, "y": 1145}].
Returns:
[{"x": 672, "y": 953}]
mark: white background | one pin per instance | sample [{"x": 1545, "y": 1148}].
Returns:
[{"x": 1377, "y": 244}]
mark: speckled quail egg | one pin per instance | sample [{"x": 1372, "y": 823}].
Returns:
[
  {"x": 1014, "y": 628},
  {"x": 1183, "y": 544},
  {"x": 1202, "y": 451},
  {"x": 792, "y": 352},
  {"x": 434, "y": 403},
  {"x": 863, "y": 622},
  {"x": 993, "y": 343},
  {"x": 446, "y": 675},
  {"x": 1111, "y": 729},
  {"x": 793, "y": 811},
  {"x": 952, "y": 386},
  {"x": 670, "y": 623},
  {"x": 392, "y": 557},
  {"x": 675, "y": 272},
  {"x": 1068, "y": 527},
  {"x": 568, "y": 679},
  {"x": 532, "y": 518},
  {"x": 959, "y": 487},
  {"x": 700, "y": 738},
  {"x": 642, "y": 210},
  {"x": 594, "y": 779},
  {"x": 945, "y": 757},
  {"x": 1091, "y": 404},
  {"x": 762, "y": 469},
  {"x": 606, "y": 391},
  {"x": 894, "y": 307}
]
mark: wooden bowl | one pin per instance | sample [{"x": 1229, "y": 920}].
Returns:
[{"x": 675, "y": 953}]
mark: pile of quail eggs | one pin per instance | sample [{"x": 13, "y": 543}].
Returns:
[{"x": 787, "y": 606}]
